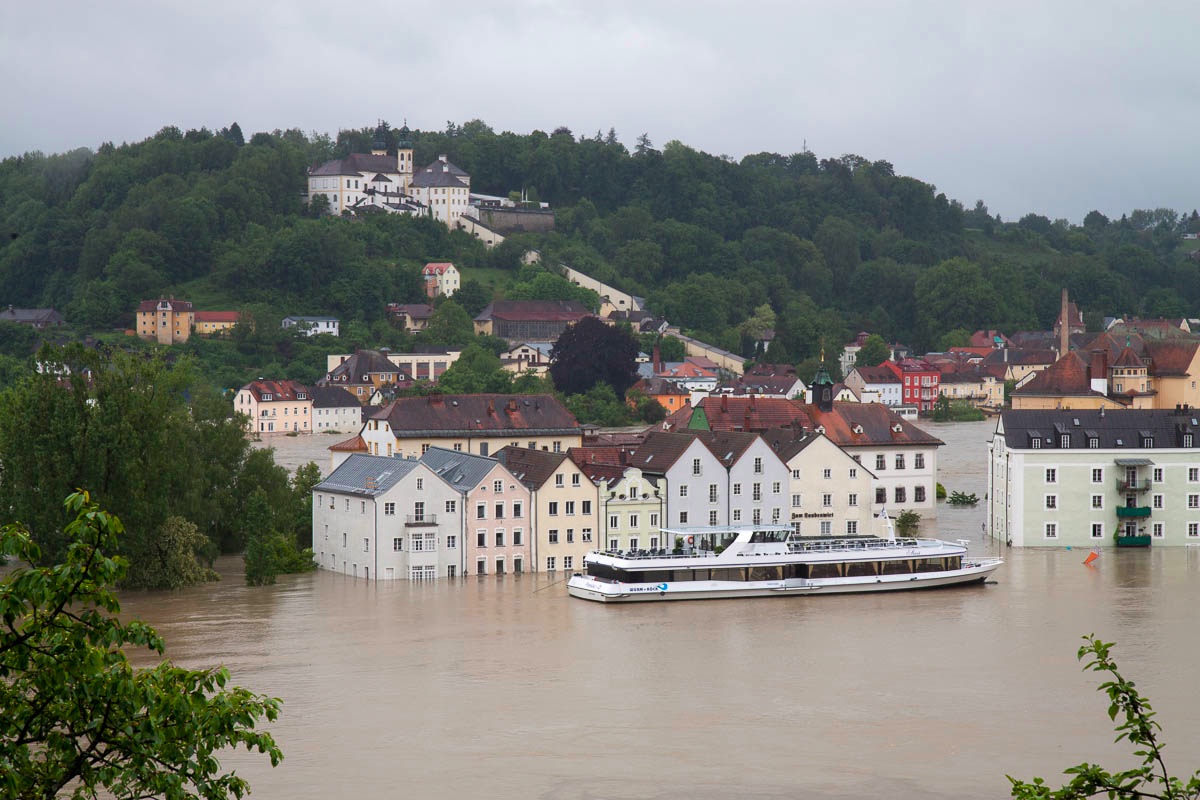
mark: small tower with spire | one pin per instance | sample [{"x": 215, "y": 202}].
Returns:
[
  {"x": 822, "y": 386},
  {"x": 379, "y": 144},
  {"x": 404, "y": 155}
]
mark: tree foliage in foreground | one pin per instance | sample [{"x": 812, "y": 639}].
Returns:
[
  {"x": 1138, "y": 727},
  {"x": 76, "y": 718},
  {"x": 591, "y": 352}
]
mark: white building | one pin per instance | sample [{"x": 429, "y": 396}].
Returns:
[
  {"x": 876, "y": 385},
  {"x": 443, "y": 189},
  {"x": 830, "y": 494},
  {"x": 387, "y": 519},
  {"x": 1082, "y": 477},
  {"x": 275, "y": 407},
  {"x": 334, "y": 410},
  {"x": 311, "y": 326},
  {"x": 441, "y": 279}
]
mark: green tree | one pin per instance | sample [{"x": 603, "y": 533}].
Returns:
[
  {"x": 260, "y": 524},
  {"x": 75, "y": 715},
  {"x": 874, "y": 351},
  {"x": 449, "y": 325},
  {"x": 591, "y": 352},
  {"x": 1137, "y": 725},
  {"x": 476, "y": 371}
]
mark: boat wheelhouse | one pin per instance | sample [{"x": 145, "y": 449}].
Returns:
[{"x": 773, "y": 560}]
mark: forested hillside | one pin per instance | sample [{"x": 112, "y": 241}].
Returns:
[{"x": 815, "y": 248}]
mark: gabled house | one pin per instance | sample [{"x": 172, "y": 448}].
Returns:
[
  {"x": 920, "y": 382},
  {"x": 275, "y": 407},
  {"x": 693, "y": 480},
  {"x": 444, "y": 189},
  {"x": 527, "y": 357},
  {"x": 563, "y": 503},
  {"x": 38, "y": 318},
  {"x": 441, "y": 279},
  {"x": 495, "y": 510},
  {"x": 363, "y": 373},
  {"x": 312, "y": 326},
  {"x": 215, "y": 323},
  {"x": 529, "y": 320},
  {"x": 166, "y": 320},
  {"x": 413, "y": 317},
  {"x": 876, "y": 385},
  {"x": 668, "y": 394},
  {"x": 631, "y": 503},
  {"x": 829, "y": 492},
  {"x": 757, "y": 479},
  {"x": 388, "y": 519},
  {"x": 470, "y": 423}
]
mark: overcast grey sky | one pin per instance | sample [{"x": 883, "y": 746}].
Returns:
[{"x": 1053, "y": 107}]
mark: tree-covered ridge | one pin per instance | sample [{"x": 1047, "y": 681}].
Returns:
[{"x": 827, "y": 246}]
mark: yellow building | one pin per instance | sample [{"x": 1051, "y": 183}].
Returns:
[
  {"x": 166, "y": 320},
  {"x": 213, "y": 323}
]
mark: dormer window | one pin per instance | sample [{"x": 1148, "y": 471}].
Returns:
[
  {"x": 1035, "y": 443},
  {"x": 267, "y": 397},
  {"x": 301, "y": 396},
  {"x": 897, "y": 428},
  {"x": 1064, "y": 441},
  {"x": 1148, "y": 441},
  {"x": 1187, "y": 440},
  {"x": 1093, "y": 443}
]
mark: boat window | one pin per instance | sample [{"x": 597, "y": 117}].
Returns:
[{"x": 775, "y": 537}]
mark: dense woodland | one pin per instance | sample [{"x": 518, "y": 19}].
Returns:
[{"x": 814, "y": 248}]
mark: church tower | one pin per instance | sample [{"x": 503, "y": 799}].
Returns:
[
  {"x": 404, "y": 156},
  {"x": 822, "y": 387},
  {"x": 379, "y": 145}
]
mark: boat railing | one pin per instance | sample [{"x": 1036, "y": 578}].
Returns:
[
  {"x": 659, "y": 553},
  {"x": 841, "y": 545}
]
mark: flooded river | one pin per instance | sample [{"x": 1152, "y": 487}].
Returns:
[{"x": 505, "y": 687}]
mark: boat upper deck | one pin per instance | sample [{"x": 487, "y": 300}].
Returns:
[{"x": 794, "y": 544}]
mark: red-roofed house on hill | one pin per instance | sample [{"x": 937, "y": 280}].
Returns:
[
  {"x": 165, "y": 320},
  {"x": 213, "y": 323},
  {"x": 441, "y": 279},
  {"x": 275, "y": 407}
]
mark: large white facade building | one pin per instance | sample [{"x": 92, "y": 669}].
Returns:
[{"x": 1080, "y": 477}]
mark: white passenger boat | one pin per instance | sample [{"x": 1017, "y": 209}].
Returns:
[{"x": 774, "y": 561}]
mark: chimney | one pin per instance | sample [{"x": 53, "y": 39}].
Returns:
[
  {"x": 491, "y": 407},
  {"x": 724, "y": 404},
  {"x": 656, "y": 359},
  {"x": 1098, "y": 371},
  {"x": 1064, "y": 331}
]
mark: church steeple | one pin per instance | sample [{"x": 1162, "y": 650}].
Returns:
[
  {"x": 379, "y": 145},
  {"x": 404, "y": 155},
  {"x": 822, "y": 386}
]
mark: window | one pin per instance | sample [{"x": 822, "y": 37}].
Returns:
[
  {"x": 1051, "y": 530},
  {"x": 826, "y": 501},
  {"x": 654, "y": 519},
  {"x": 1193, "y": 474},
  {"x": 585, "y": 535},
  {"x": 398, "y": 544},
  {"x": 796, "y": 474},
  {"x": 737, "y": 515},
  {"x": 457, "y": 447},
  {"x": 880, "y": 496},
  {"x": 1097, "y": 530},
  {"x": 1147, "y": 441},
  {"x": 775, "y": 487},
  {"x": 900, "y": 494},
  {"x": 481, "y": 538},
  {"x": 481, "y": 511},
  {"x": 683, "y": 518},
  {"x": 553, "y": 509},
  {"x": 550, "y": 563},
  {"x": 1157, "y": 501},
  {"x": 756, "y": 492},
  {"x": 570, "y": 536},
  {"x": 559, "y": 481},
  {"x": 712, "y": 517},
  {"x": 633, "y": 521},
  {"x": 518, "y": 509},
  {"x": 389, "y": 509},
  {"x": 827, "y": 474},
  {"x": 1156, "y": 530},
  {"x": 1064, "y": 441},
  {"x": 420, "y": 484},
  {"x": 633, "y": 543},
  {"x": 552, "y": 536},
  {"x": 1035, "y": 444},
  {"x": 852, "y": 527},
  {"x": 1093, "y": 443},
  {"x": 695, "y": 466},
  {"x": 918, "y": 494},
  {"x": 796, "y": 501},
  {"x": 758, "y": 466},
  {"x": 568, "y": 562},
  {"x": 1051, "y": 502},
  {"x": 683, "y": 490},
  {"x": 585, "y": 507},
  {"x": 557, "y": 447},
  {"x": 614, "y": 544},
  {"x": 500, "y": 537},
  {"x": 712, "y": 493},
  {"x": 826, "y": 528},
  {"x": 737, "y": 489},
  {"x": 1051, "y": 475},
  {"x": 497, "y": 486},
  {"x": 569, "y": 507},
  {"x": 1193, "y": 530},
  {"x": 451, "y": 543},
  {"x": 1187, "y": 440},
  {"x": 1097, "y": 501},
  {"x": 1158, "y": 474},
  {"x": 880, "y": 462},
  {"x": 614, "y": 521},
  {"x": 518, "y": 537},
  {"x": 483, "y": 448},
  {"x": 853, "y": 473},
  {"x": 451, "y": 506},
  {"x": 1194, "y": 501},
  {"x": 918, "y": 461},
  {"x": 575, "y": 479},
  {"x": 899, "y": 461},
  {"x": 366, "y": 545},
  {"x": 425, "y": 448},
  {"x": 1097, "y": 475}
]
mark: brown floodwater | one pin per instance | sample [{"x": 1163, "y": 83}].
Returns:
[{"x": 505, "y": 687}]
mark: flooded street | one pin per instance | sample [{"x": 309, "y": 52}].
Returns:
[{"x": 505, "y": 687}]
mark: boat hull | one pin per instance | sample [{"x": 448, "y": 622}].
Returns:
[{"x": 586, "y": 588}]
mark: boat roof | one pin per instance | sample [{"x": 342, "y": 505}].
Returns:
[{"x": 699, "y": 529}]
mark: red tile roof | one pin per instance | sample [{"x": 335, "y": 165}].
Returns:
[
  {"x": 1171, "y": 357},
  {"x": 467, "y": 413},
  {"x": 279, "y": 390},
  {"x": 353, "y": 445},
  {"x": 866, "y": 425},
  {"x": 750, "y": 413},
  {"x": 217, "y": 316},
  {"x": 176, "y": 305},
  {"x": 1069, "y": 376},
  {"x": 551, "y": 310},
  {"x": 437, "y": 267},
  {"x": 530, "y": 467}
]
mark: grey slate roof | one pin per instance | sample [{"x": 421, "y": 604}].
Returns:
[
  {"x": 1125, "y": 428},
  {"x": 332, "y": 397},
  {"x": 463, "y": 471},
  {"x": 367, "y": 476}
]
